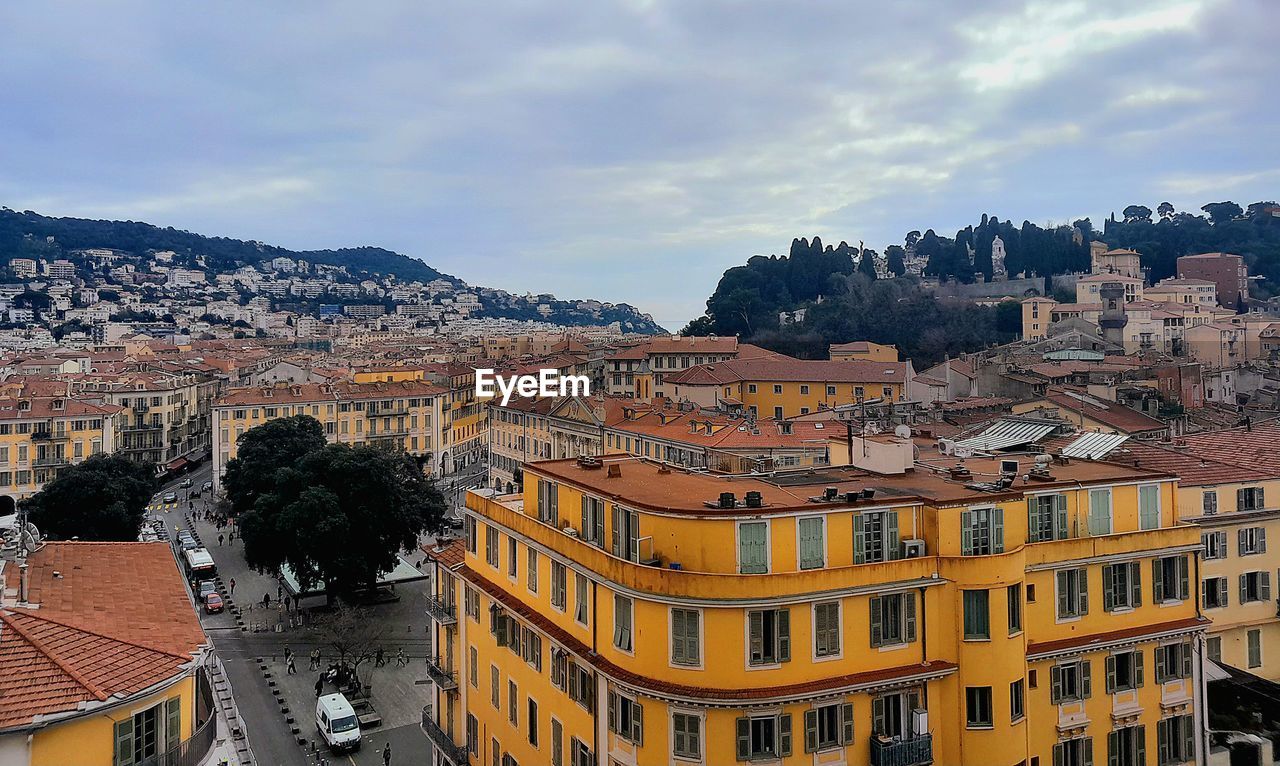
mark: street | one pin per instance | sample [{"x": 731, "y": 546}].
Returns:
[{"x": 268, "y": 632}]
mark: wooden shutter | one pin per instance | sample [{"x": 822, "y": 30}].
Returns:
[
  {"x": 1064, "y": 594},
  {"x": 1264, "y": 586},
  {"x": 755, "y": 636},
  {"x": 1058, "y": 756},
  {"x": 997, "y": 530},
  {"x": 877, "y": 715},
  {"x": 1221, "y": 584},
  {"x": 1033, "y": 519},
  {"x": 784, "y": 635},
  {"x": 966, "y": 533},
  {"x": 1135, "y": 584},
  {"x": 1109, "y": 587},
  {"x": 877, "y": 622},
  {"x": 1113, "y": 748},
  {"x": 173, "y": 723},
  {"x": 909, "y": 617},
  {"x": 1055, "y": 684},
  {"x": 637, "y": 723},
  {"x": 1086, "y": 679},
  {"x": 1157, "y": 581},
  {"x": 846, "y": 723},
  {"x": 1262, "y": 538},
  {"x": 810, "y": 731},
  {"x": 1183, "y": 578},
  {"x": 1188, "y": 736},
  {"x": 1186, "y": 660},
  {"x": 1244, "y": 588},
  {"x": 1082, "y": 579},
  {"x": 859, "y": 544},
  {"x": 784, "y": 735},
  {"x": 1111, "y": 674},
  {"x": 1060, "y": 516},
  {"x": 124, "y": 742},
  {"x": 1138, "y": 672},
  {"x": 1088, "y": 751},
  {"x": 891, "y": 536},
  {"x": 678, "y": 650},
  {"x": 742, "y": 730}
]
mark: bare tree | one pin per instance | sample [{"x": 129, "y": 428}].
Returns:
[{"x": 353, "y": 634}]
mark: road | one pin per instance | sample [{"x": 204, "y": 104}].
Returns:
[{"x": 270, "y": 737}]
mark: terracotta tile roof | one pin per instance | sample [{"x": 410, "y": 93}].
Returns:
[
  {"x": 112, "y": 619},
  {"x": 450, "y": 554},
  {"x": 1193, "y": 467},
  {"x": 794, "y": 370},
  {"x": 1082, "y": 642},
  {"x": 327, "y": 392},
  {"x": 1253, "y": 446},
  {"x": 659, "y": 687},
  {"x": 1117, "y": 416}
]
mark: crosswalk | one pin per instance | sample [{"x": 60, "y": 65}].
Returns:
[{"x": 159, "y": 506}]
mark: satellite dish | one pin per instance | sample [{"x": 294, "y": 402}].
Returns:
[
  {"x": 870, "y": 429},
  {"x": 32, "y": 538},
  {"x": 902, "y": 432}
]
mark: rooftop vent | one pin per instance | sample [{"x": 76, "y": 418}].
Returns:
[
  {"x": 615, "y": 470},
  {"x": 830, "y": 494},
  {"x": 755, "y": 499},
  {"x": 589, "y": 463},
  {"x": 960, "y": 472},
  {"x": 727, "y": 500}
]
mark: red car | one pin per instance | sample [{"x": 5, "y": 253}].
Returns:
[{"x": 212, "y": 603}]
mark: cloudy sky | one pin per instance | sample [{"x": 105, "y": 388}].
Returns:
[{"x": 632, "y": 150}]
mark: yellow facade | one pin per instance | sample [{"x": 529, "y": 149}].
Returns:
[
  {"x": 659, "y": 626},
  {"x": 1036, "y": 317},
  {"x": 90, "y": 740},
  {"x": 41, "y": 438},
  {"x": 875, "y": 352},
  {"x": 786, "y": 399}
]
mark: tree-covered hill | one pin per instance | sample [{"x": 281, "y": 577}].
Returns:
[{"x": 24, "y": 234}]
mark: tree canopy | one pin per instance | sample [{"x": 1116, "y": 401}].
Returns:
[
  {"x": 263, "y": 451},
  {"x": 104, "y": 498}
]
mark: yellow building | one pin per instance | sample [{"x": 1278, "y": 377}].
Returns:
[
  {"x": 408, "y": 415},
  {"x": 640, "y": 371},
  {"x": 781, "y": 387},
  {"x": 1036, "y": 317},
  {"x": 40, "y": 436},
  {"x": 864, "y": 349},
  {"x": 166, "y": 413},
  {"x": 101, "y": 659},
  {"x": 1012, "y": 611}
]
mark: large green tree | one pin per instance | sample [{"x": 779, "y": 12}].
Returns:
[
  {"x": 339, "y": 516},
  {"x": 103, "y": 498},
  {"x": 262, "y": 451}
]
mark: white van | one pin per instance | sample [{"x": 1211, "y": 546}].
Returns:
[{"x": 337, "y": 723}]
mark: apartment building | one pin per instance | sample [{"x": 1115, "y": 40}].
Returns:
[
  {"x": 781, "y": 387},
  {"x": 406, "y": 415},
  {"x": 165, "y": 417},
  {"x": 1005, "y": 611},
  {"x": 40, "y": 436},
  {"x": 641, "y": 371},
  {"x": 863, "y": 349},
  {"x": 1226, "y": 271}
]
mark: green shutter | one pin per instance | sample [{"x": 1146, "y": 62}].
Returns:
[
  {"x": 784, "y": 735},
  {"x": 877, "y": 623},
  {"x": 637, "y": 723},
  {"x": 173, "y": 723},
  {"x": 1188, "y": 736},
  {"x": 997, "y": 530},
  {"x": 877, "y": 715},
  {"x": 1058, "y": 754},
  {"x": 1138, "y": 674},
  {"x": 1083, "y": 579},
  {"x": 784, "y": 635},
  {"x": 1064, "y": 594},
  {"x": 1088, "y": 751},
  {"x": 613, "y": 711},
  {"x": 1157, "y": 582},
  {"x": 742, "y": 730},
  {"x": 810, "y": 731},
  {"x": 1111, "y": 674},
  {"x": 1186, "y": 660},
  {"x": 124, "y": 742},
  {"x": 1183, "y": 578},
  {"x": 909, "y": 617},
  {"x": 1113, "y": 748},
  {"x": 1033, "y": 519},
  {"x": 859, "y": 544},
  {"x": 846, "y": 723},
  {"x": 966, "y": 533},
  {"x": 891, "y": 536},
  {"x": 1135, "y": 584},
  {"x": 1109, "y": 587},
  {"x": 755, "y": 636},
  {"x": 1060, "y": 516},
  {"x": 1055, "y": 684},
  {"x": 1086, "y": 679}
]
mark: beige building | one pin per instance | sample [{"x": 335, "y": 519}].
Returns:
[
  {"x": 165, "y": 414},
  {"x": 1122, "y": 262},
  {"x": 40, "y": 436},
  {"x": 1184, "y": 291},
  {"x": 1087, "y": 288}
]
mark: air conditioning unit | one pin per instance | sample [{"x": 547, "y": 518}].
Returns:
[
  {"x": 912, "y": 549},
  {"x": 570, "y": 531},
  {"x": 919, "y": 722}
]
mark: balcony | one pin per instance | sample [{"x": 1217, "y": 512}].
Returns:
[
  {"x": 914, "y": 751},
  {"x": 50, "y": 461},
  {"x": 48, "y": 436},
  {"x": 390, "y": 412},
  {"x": 441, "y": 611},
  {"x": 444, "y": 679},
  {"x": 455, "y": 754}
]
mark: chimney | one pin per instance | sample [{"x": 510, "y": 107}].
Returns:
[{"x": 615, "y": 470}]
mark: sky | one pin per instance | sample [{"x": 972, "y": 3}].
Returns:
[{"x": 629, "y": 150}]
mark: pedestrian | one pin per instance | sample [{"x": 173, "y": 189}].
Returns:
[
  {"x": 266, "y": 600},
  {"x": 386, "y": 755},
  {"x": 320, "y": 685},
  {"x": 233, "y": 586},
  {"x": 401, "y": 660},
  {"x": 315, "y": 659},
  {"x": 378, "y": 659},
  {"x": 219, "y": 541},
  {"x": 290, "y": 669},
  {"x": 279, "y": 591}
]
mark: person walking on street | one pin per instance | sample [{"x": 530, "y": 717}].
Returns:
[
  {"x": 266, "y": 600},
  {"x": 232, "y": 583},
  {"x": 386, "y": 755},
  {"x": 378, "y": 659},
  {"x": 279, "y": 591},
  {"x": 219, "y": 541},
  {"x": 315, "y": 659},
  {"x": 290, "y": 669},
  {"x": 401, "y": 660},
  {"x": 320, "y": 685}
]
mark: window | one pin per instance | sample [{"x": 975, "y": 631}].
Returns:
[
  {"x": 1176, "y": 740},
  {"x": 831, "y": 390},
  {"x": 813, "y": 548},
  {"x": 1099, "y": 512},
  {"x": 1215, "y": 545},
  {"x": 593, "y": 520},
  {"x": 753, "y": 547},
  {"x": 497, "y": 752},
  {"x": 512, "y": 557},
  {"x": 581, "y": 687},
  {"x": 977, "y": 706},
  {"x": 532, "y": 574},
  {"x": 559, "y": 583},
  {"x": 1070, "y": 682},
  {"x": 469, "y": 529},
  {"x": 875, "y": 537},
  {"x": 804, "y": 390},
  {"x": 626, "y": 718},
  {"x": 768, "y": 636},
  {"x": 580, "y": 597},
  {"x": 549, "y": 502},
  {"x": 1127, "y": 746},
  {"x": 1252, "y": 540},
  {"x": 763, "y": 737},
  {"x": 1046, "y": 518},
  {"x": 891, "y": 713},
  {"x": 1255, "y": 586},
  {"x": 1149, "y": 506},
  {"x": 1017, "y": 701},
  {"x": 826, "y": 629},
  {"x": 513, "y": 703},
  {"x": 473, "y": 666},
  {"x": 828, "y": 726},
  {"x": 1074, "y": 752},
  {"x": 777, "y": 389},
  {"x": 1213, "y": 648},
  {"x": 1121, "y": 586},
  {"x": 1073, "y": 593},
  {"x": 1173, "y": 661},
  {"x": 1210, "y": 502},
  {"x": 777, "y": 413},
  {"x": 495, "y": 688},
  {"x": 981, "y": 531},
  {"x": 686, "y": 637},
  {"x": 473, "y": 736},
  {"x": 1254, "y": 641},
  {"x": 533, "y": 722},
  {"x": 491, "y": 546},
  {"x": 1249, "y": 499},
  {"x": 1124, "y": 671},
  {"x": 751, "y": 388},
  {"x": 686, "y": 735},
  {"x": 893, "y": 619},
  {"x": 977, "y": 623},
  {"x": 626, "y": 532},
  {"x": 1169, "y": 579},
  {"x": 557, "y": 743},
  {"x": 580, "y": 754},
  {"x": 1014, "y": 595},
  {"x": 1213, "y": 592},
  {"x": 622, "y": 622}
]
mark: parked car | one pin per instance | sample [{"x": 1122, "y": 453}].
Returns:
[
  {"x": 212, "y": 602},
  {"x": 337, "y": 723},
  {"x": 185, "y": 483},
  {"x": 170, "y": 497},
  {"x": 205, "y": 588},
  {"x": 208, "y": 485}
]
